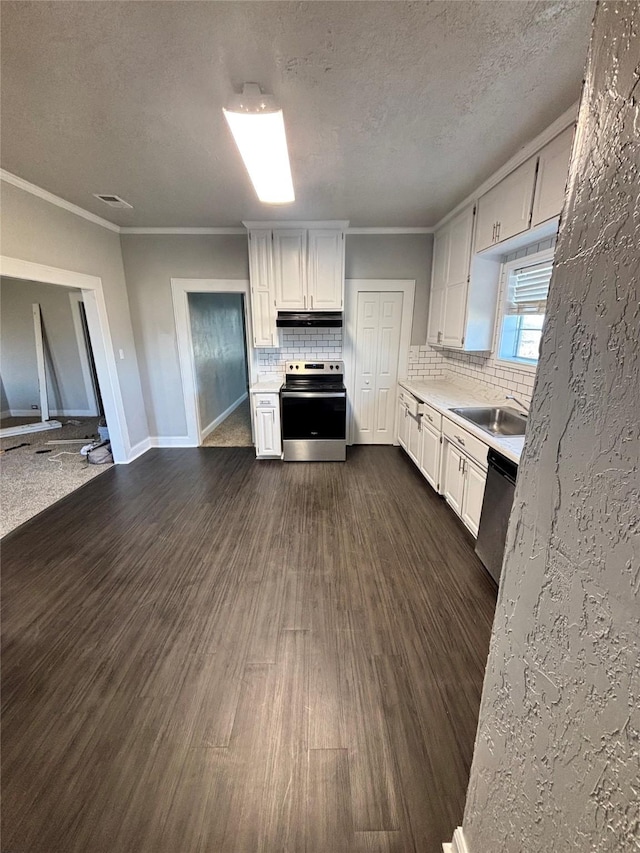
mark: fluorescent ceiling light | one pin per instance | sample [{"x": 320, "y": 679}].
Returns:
[{"x": 257, "y": 125}]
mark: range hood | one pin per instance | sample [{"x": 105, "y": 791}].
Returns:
[{"x": 309, "y": 319}]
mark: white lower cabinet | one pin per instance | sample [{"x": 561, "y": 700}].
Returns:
[
  {"x": 453, "y": 477},
  {"x": 413, "y": 438},
  {"x": 430, "y": 448},
  {"x": 475, "y": 479},
  {"x": 464, "y": 482},
  {"x": 266, "y": 418},
  {"x": 403, "y": 424}
]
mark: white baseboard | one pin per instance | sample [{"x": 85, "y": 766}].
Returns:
[
  {"x": 27, "y": 429},
  {"x": 59, "y": 413},
  {"x": 138, "y": 449},
  {"x": 458, "y": 843},
  {"x": 171, "y": 441},
  {"x": 210, "y": 428}
]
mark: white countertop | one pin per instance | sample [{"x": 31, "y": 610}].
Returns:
[
  {"x": 267, "y": 384},
  {"x": 446, "y": 395}
]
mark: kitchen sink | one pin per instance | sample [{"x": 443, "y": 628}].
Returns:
[{"x": 495, "y": 420}]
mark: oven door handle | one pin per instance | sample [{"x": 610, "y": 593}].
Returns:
[{"x": 318, "y": 395}]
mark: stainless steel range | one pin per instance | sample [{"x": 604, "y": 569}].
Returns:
[{"x": 313, "y": 403}]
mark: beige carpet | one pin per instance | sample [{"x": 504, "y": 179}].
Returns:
[
  {"x": 30, "y": 481},
  {"x": 235, "y": 431}
]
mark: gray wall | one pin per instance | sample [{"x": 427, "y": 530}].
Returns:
[
  {"x": 65, "y": 381},
  {"x": 395, "y": 256},
  {"x": 556, "y": 761},
  {"x": 37, "y": 231},
  {"x": 219, "y": 355},
  {"x": 150, "y": 262}
]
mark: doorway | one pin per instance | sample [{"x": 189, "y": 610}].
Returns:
[
  {"x": 217, "y": 363},
  {"x": 51, "y": 407},
  {"x": 378, "y": 318},
  {"x": 219, "y": 351}
]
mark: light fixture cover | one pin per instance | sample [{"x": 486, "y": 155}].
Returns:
[{"x": 257, "y": 125}]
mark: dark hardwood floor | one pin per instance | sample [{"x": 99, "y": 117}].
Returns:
[{"x": 202, "y": 652}]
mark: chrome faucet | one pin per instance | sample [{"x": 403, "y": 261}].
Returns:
[{"x": 519, "y": 402}]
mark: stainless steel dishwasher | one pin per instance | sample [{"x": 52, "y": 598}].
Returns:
[{"x": 496, "y": 509}]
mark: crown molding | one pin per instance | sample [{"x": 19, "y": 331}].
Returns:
[
  {"x": 142, "y": 230},
  {"x": 393, "y": 230},
  {"x": 28, "y": 187},
  {"x": 561, "y": 123},
  {"x": 297, "y": 223}
]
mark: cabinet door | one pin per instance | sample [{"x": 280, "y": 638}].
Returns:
[
  {"x": 289, "y": 253},
  {"x": 553, "y": 168},
  {"x": 475, "y": 479},
  {"x": 430, "y": 447},
  {"x": 460, "y": 236},
  {"x": 436, "y": 308},
  {"x": 487, "y": 220},
  {"x": 413, "y": 442},
  {"x": 454, "y": 314},
  {"x": 325, "y": 269},
  {"x": 439, "y": 271},
  {"x": 267, "y": 431},
  {"x": 515, "y": 200},
  {"x": 453, "y": 477},
  {"x": 263, "y": 312},
  {"x": 403, "y": 426},
  {"x": 507, "y": 207}
]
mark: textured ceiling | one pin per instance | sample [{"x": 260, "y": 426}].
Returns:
[{"x": 395, "y": 111}]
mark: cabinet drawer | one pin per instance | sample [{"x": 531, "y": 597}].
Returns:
[
  {"x": 413, "y": 405},
  {"x": 262, "y": 400},
  {"x": 432, "y": 417},
  {"x": 465, "y": 442}
]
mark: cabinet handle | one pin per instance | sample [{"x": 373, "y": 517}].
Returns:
[
  {"x": 498, "y": 234},
  {"x": 429, "y": 416},
  {"x": 459, "y": 463},
  {"x": 460, "y": 440},
  {"x": 493, "y": 233},
  {"x": 311, "y": 298},
  {"x": 304, "y": 301}
]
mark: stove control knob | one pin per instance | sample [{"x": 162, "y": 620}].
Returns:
[
  {"x": 330, "y": 367},
  {"x": 297, "y": 367}
]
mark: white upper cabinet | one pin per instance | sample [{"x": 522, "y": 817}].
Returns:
[
  {"x": 505, "y": 210},
  {"x": 325, "y": 269},
  {"x": 463, "y": 295},
  {"x": 263, "y": 311},
  {"x": 289, "y": 256},
  {"x": 553, "y": 168}
]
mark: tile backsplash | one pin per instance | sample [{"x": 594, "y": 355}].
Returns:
[
  {"x": 298, "y": 345},
  {"x": 425, "y": 363}
]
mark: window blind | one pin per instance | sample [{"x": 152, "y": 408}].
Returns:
[{"x": 528, "y": 289}]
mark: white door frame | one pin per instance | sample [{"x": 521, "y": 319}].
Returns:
[
  {"x": 353, "y": 286},
  {"x": 99, "y": 334},
  {"x": 180, "y": 290},
  {"x": 92, "y": 402}
]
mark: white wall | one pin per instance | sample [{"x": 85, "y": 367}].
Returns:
[
  {"x": 219, "y": 357},
  {"x": 556, "y": 763},
  {"x": 65, "y": 381},
  {"x": 35, "y": 230}
]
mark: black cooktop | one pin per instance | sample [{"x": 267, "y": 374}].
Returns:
[{"x": 313, "y": 384}]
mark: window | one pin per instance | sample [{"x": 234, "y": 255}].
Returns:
[{"x": 524, "y": 306}]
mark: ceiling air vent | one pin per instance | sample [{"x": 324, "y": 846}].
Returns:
[{"x": 113, "y": 200}]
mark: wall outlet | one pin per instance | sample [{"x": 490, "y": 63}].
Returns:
[{"x": 35, "y": 407}]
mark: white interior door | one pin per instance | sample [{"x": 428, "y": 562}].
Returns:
[{"x": 377, "y": 345}]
